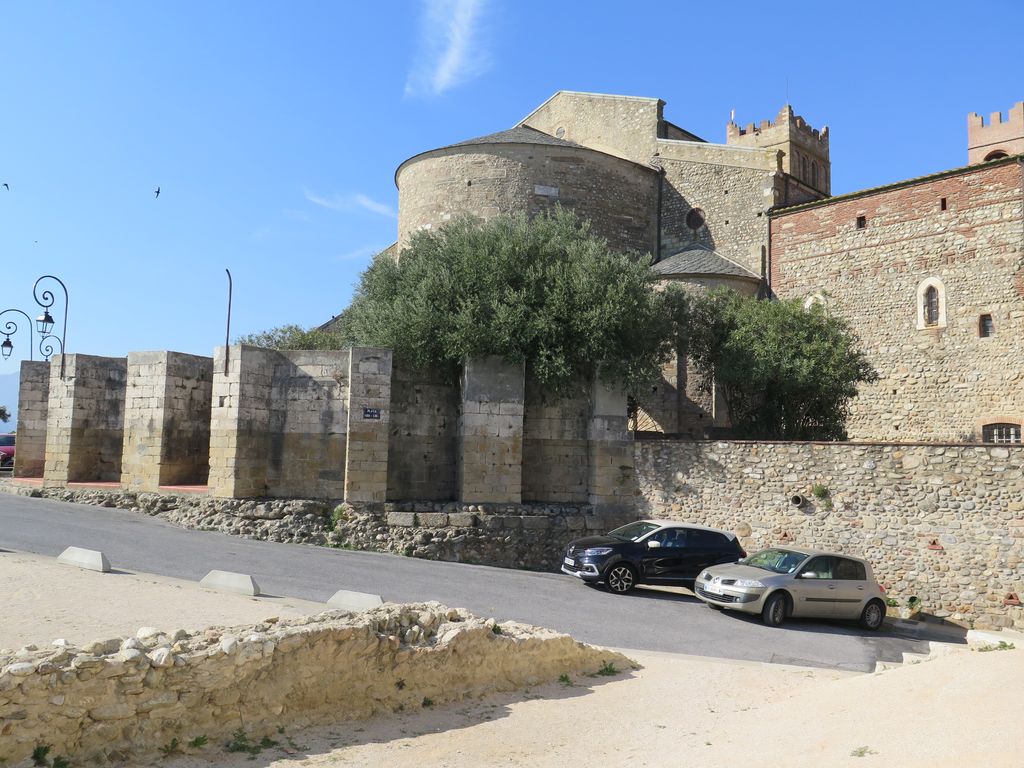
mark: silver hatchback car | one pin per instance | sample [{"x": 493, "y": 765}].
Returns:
[{"x": 781, "y": 582}]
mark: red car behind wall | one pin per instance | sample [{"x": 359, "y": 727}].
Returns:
[{"x": 7, "y": 451}]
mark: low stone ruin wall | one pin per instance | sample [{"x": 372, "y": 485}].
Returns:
[
  {"x": 528, "y": 536},
  {"x": 113, "y": 699},
  {"x": 944, "y": 523}
]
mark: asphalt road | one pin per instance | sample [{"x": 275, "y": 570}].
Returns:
[{"x": 656, "y": 620}]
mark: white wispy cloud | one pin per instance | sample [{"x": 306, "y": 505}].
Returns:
[
  {"x": 348, "y": 202},
  {"x": 359, "y": 254},
  {"x": 373, "y": 206},
  {"x": 451, "y": 49}
]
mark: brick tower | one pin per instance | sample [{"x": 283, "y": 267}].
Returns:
[{"x": 998, "y": 138}]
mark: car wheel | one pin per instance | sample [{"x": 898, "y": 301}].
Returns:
[
  {"x": 873, "y": 615},
  {"x": 620, "y": 578},
  {"x": 774, "y": 611}
]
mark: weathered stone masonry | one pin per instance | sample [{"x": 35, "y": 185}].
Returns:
[
  {"x": 167, "y": 420},
  {"x": 944, "y": 523},
  {"x": 85, "y": 419},
  {"x": 118, "y": 699},
  {"x": 260, "y": 423},
  {"x": 868, "y": 256},
  {"x": 33, "y": 403}
]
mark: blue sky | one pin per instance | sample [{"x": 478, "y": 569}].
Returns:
[{"x": 274, "y": 129}]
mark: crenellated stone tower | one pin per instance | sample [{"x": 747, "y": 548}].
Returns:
[{"x": 805, "y": 149}]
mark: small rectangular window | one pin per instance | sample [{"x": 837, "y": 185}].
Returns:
[
  {"x": 985, "y": 326},
  {"x": 1000, "y": 433},
  {"x": 862, "y": 221},
  {"x": 942, "y": 204}
]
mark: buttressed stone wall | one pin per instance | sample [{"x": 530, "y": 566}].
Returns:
[
  {"x": 33, "y": 402},
  {"x": 424, "y": 436},
  {"x": 279, "y": 423},
  {"x": 490, "y": 467},
  {"x": 944, "y": 523},
  {"x": 555, "y": 449},
  {"x": 871, "y": 257},
  {"x": 369, "y": 416},
  {"x": 328, "y": 425},
  {"x": 167, "y": 420},
  {"x": 85, "y": 419}
]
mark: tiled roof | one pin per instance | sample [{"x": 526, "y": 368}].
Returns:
[
  {"x": 521, "y": 134},
  {"x": 897, "y": 185},
  {"x": 698, "y": 259}
]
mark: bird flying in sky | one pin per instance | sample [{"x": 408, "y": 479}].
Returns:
[
  {"x": 157, "y": 191},
  {"x": 7, "y": 186}
]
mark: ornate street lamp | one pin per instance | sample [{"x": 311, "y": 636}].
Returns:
[
  {"x": 45, "y": 323},
  {"x": 9, "y": 328}
]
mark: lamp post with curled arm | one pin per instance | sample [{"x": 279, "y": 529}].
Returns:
[
  {"x": 45, "y": 322},
  {"x": 10, "y": 327}
]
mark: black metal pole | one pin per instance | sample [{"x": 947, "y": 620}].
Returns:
[
  {"x": 45, "y": 300},
  {"x": 227, "y": 333}
]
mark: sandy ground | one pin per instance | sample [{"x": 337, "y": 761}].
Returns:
[
  {"x": 42, "y": 600},
  {"x": 957, "y": 710}
]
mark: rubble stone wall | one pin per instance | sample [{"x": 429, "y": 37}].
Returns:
[
  {"x": 870, "y": 257},
  {"x": 944, "y": 523},
  {"x": 529, "y": 536},
  {"x": 133, "y": 696}
]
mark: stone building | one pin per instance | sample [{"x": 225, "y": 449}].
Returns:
[
  {"x": 647, "y": 185},
  {"x": 927, "y": 271}
]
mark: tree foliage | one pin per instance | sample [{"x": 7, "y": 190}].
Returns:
[
  {"x": 784, "y": 372},
  {"x": 292, "y": 337},
  {"x": 5, "y": 415},
  {"x": 544, "y": 290}
]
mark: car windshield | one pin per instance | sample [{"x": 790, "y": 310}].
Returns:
[
  {"x": 6, "y": 441},
  {"x": 775, "y": 560},
  {"x": 634, "y": 531}
]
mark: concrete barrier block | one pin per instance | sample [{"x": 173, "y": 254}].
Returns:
[
  {"x": 89, "y": 559},
  {"x": 226, "y": 581},
  {"x": 354, "y": 601}
]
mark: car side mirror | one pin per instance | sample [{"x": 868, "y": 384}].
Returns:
[
  {"x": 652, "y": 544},
  {"x": 807, "y": 575}
]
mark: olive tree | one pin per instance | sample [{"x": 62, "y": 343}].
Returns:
[
  {"x": 784, "y": 372},
  {"x": 546, "y": 291}
]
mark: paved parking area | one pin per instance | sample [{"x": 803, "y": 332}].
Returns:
[{"x": 664, "y": 620}]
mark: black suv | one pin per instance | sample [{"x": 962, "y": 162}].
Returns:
[{"x": 650, "y": 552}]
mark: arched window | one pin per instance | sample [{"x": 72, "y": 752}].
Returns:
[
  {"x": 931, "y": 304},
  {"x": 814, "y": 174},
  {"x": 997, "y": 155},
  {"x": 807, "y": 172},
  {"x": 815, "y": 300}
]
